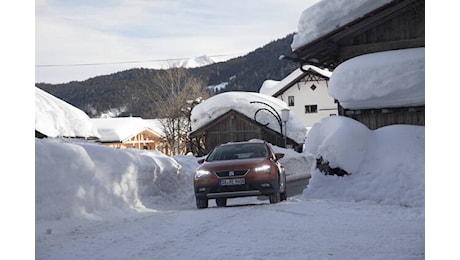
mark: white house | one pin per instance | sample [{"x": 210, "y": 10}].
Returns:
[{"x": 305, "y": 91}]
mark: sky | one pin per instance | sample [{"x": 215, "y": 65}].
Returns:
[{"x": 111, "y": 36}]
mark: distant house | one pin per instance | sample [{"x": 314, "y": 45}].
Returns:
[
  {"x": 328, "y": 38},
  {"x": 242, "y": 116},
  {"x": 131, "y": 132},
  {"x": 305, "y": 92},
  {"x": 56, "y": 118}
]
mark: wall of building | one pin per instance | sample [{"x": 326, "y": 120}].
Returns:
[
  {"x": 306, "y": 95},
  {"x": 144, "y": 140}
]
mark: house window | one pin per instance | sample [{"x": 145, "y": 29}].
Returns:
[
  {"x": 291, "y": 101},
  {"x": 311, "y": 109},
  {"x": 313, "y": 87}
]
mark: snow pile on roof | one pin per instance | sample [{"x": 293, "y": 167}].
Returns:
[
  {"x": 156, "y": 126},
  {"x": 57, "y": 118},
  {"x": 387, "y": 165},
  {"x": 268, "y": 87},
  {"x": 122, "y": 128},
  {"x": 217, "y": 105},
  {"x": 383, "y": 79},
  {"x": 328, "y": 15},
  {"x": 272, "y": 87}
]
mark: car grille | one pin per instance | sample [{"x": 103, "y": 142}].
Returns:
[{"x": 231, "y": 173}]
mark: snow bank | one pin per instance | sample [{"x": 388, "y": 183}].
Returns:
[
  {"x": 331, "y": 139},
  {"x": 79, "y": 179},
  {"x": 217, "y": 105},
  {"x": 398, "y": 79},
  {"x": 297, "y": 165},
  {"x": 387, "y": 165},
  {"x": 86, "y": 179}
]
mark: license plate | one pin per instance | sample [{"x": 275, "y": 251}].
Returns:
[{"x": 228, "y": 182}]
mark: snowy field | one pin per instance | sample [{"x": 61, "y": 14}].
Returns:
[{"x": 96, "y": 202}]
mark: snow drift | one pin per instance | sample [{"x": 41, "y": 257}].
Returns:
[
  {"x": 387, "y": 165},
  {"x": 83, "y": 179}
]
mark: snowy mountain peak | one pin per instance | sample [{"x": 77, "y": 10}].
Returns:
[{"x": 194, "y": 62}]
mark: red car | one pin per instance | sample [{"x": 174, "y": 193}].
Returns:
[{"x": 240, "y": 169}]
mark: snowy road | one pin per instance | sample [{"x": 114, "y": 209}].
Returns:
[{"x": 247, "y": 229}]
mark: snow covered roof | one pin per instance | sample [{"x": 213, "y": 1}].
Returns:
[
  {"x": 272, "y": 89},
  {"x": 378, "y": 80},
  {"x": 327, "y": 15},
  {"x": 57, "y": 118},
  {"x": 269, "y": 86},
  {"x": 122, "y": 128},
  {"x": 217, "y": 105}
]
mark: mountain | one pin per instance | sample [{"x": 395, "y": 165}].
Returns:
[
  {"x": 130, "y": 92},
  {"x": 194, "y": 62}
]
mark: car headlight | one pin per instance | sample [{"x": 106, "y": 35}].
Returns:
[
  {"x": 263, "y": 169},
  {"x": 201, "y": 174}
]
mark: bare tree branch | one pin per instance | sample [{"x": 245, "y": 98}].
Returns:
[{"x": 175, "y": 87}]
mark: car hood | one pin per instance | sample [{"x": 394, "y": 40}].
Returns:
[{"x": 239, "y": 164}]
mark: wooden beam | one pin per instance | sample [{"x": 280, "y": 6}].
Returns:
[{"x": 348, "y": 52}]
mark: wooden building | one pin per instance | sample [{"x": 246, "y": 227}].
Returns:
[
  {"x": 130, "y": 132},
  {"x": 375, "y": 118},
  {"x": 143, "y": 140},
  {"x": 234, "y": 126},
  {"x": 398, "y": 24}
]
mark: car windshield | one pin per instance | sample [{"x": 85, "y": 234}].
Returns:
[{"x": 238, "y": 151}]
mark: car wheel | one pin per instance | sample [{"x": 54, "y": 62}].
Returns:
[
  {"x": 201, "y": 203},
  {"x": 221, "y": 202},
  {"x": 275, "y": 198},
  {"x": 283, "y": 195}
]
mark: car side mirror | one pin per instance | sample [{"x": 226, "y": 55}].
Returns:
[
  {"x": 278, "y": 156},
  {"x": 201, "y": 161}
]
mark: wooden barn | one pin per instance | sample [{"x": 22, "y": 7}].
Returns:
[
  {"x": 396, "y": 25},
  {"x": 234, "y": 126}
]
